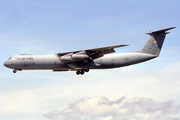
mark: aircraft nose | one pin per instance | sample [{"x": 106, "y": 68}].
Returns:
[{"x": 6, "y": 64}]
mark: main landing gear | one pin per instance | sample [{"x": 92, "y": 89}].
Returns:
[{"x": 82, "y": 71}]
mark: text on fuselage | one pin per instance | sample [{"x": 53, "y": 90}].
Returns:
[{"x": 29, "y": 58}]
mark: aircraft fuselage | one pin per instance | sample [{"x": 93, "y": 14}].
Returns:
[{"x": 53, "y": 62}]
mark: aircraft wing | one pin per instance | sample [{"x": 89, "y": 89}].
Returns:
[
  {"x": 99, "y": 52},
  {"x": 87, "y": 54},
  {"x": 104, "y": 50}
]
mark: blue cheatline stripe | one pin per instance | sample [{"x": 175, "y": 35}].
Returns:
[{"x": 150, "y": 46}]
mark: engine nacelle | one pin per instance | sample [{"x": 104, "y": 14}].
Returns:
[
  {"x": 77, "y": 57},
  {"x": 74, "y": 57},
  {"x": 66, "y": 58}
]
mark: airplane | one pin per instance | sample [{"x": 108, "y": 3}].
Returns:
[{"x": 82, "y": 61}]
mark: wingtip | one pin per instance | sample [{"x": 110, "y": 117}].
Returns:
[
  {"x": 123, "y": 45},
  {"x": 173, "y": 27}
]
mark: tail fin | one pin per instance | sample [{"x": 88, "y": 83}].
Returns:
[{"x": 155, "y": 42}]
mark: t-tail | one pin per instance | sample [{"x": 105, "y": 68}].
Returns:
[{"x": 154, "y": 44}]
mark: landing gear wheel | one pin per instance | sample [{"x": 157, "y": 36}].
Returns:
[
  {"x": 82, "y": 72},
  {"x": 78, "y": 72},
  {"x": 14, "y": 71},
  {"x": 86, "y": 70}
]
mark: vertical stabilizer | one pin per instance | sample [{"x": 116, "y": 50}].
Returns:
[{"x": 155, "y": 42}]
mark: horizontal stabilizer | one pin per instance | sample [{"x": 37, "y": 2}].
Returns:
[{"x": 161, "y": 31}]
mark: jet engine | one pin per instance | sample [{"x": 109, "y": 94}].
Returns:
[
  {"x": 66, "y": 58},
  {"x": 74, "y": 57},
  {"x": 77, "y": 57}
]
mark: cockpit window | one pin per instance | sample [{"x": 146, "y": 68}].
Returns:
[{"x": 11, "y": 58}]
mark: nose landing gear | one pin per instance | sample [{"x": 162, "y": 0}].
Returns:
[
  {"x": 82, "y": 71},
  {"x": 14, "y": 71}
]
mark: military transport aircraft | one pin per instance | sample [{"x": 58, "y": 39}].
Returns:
[{"x": 83, "y": 60}]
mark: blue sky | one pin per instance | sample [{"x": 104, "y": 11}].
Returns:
[{"x": 148, "y": 90}]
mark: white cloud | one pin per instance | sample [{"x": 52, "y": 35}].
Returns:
[{"x": 102, "y": 108}]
